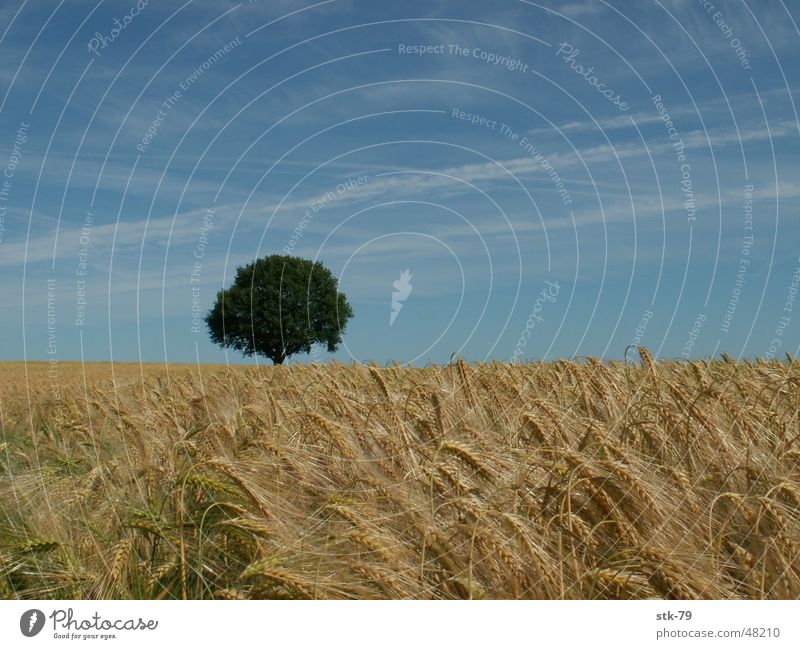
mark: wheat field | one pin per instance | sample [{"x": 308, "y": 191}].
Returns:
[{"x": 572, "y": 479}]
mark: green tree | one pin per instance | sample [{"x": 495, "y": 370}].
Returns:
[{"x": 279, "y": 306}]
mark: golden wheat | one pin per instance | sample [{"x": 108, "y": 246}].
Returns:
[{"x": 575, "y": 479}]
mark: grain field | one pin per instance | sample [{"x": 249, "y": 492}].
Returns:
[{"x": 572, "y": 479}]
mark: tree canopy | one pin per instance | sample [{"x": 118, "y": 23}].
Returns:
[{"x": 278, "y": 306}]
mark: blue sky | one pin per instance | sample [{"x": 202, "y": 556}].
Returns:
[{"x": 559, "y": 179}]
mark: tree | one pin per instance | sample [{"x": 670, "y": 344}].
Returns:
[{"x": 279, "y": 306}]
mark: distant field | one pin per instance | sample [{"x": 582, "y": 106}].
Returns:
[{"x": 561, "y": 480}]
